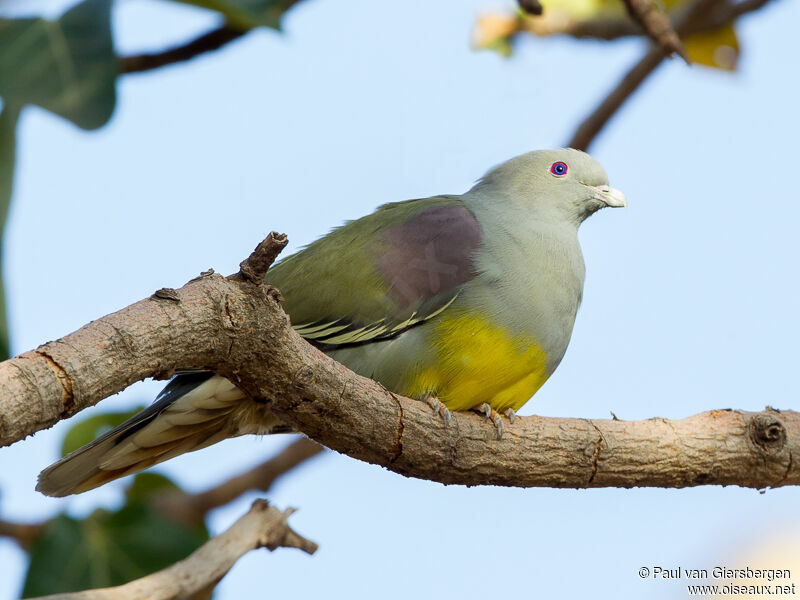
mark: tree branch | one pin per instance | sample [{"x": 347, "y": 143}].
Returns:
[
  {"x": 261, "y": 527},
  {"x": 208, "y": 42},
  {"x": 587, "y": 131},
  {"x": 193, "y": 507},
  {"x": 656, "y": 23},
  {"x": 237, "y": 329},
  {"x": 22, "y": 533},
  {"x": 255, "y": 266},
  {"x": 703, "y": 15},
  {"x": 608, "y": 29},
  {"x": 532, "y": 7}
]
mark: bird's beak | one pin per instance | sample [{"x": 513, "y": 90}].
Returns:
[{"x": 608, "y": 196}]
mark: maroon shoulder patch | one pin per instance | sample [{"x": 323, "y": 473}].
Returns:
[{"x": 430, "y": 254}]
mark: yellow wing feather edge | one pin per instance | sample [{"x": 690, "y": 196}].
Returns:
[{"x": 326, "y": 333}]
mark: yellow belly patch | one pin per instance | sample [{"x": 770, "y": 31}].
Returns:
[{"x": 479, "y": 362}]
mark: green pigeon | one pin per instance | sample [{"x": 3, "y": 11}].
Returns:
[{"x": 467, "y": 302}]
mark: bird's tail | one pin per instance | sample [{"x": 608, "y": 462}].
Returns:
[{"x": 192, "y": 412}]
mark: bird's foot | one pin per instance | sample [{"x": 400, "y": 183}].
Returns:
[
  {"x": 439, "y": 408},
  {"x": 493, "y": 416}
]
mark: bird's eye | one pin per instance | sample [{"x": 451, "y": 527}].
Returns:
[{"x": 559, "y": 169}]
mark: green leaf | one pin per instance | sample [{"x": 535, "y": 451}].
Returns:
[
  {"x": 67, "y": 66},
  {"x": 90, "y": 429},
  {"x": 8, "y": 128},
  {"x": 108, "y": 548},
  {"x": 147, "y": 484},
  {"x": 248, "y": 13}
]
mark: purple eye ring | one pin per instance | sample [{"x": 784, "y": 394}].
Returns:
[{"x": 559, "y": 169}]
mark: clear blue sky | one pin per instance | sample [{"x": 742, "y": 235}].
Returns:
[{"x": 690, "y": 300}]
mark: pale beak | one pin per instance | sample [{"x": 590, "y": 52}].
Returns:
[{"x": 608, "y": 196}]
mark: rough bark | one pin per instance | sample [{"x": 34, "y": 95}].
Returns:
[
  {"x": 238, "y": 329},
  {"x": 261, "y": 527}
]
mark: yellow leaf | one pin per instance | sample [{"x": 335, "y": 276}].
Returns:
[
  {"x": 493, "y": 30},
  {"x": 718, "y": 49},
  {"x": 585, "y": 9}
]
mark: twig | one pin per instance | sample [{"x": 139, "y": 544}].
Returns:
[
  {"x": 613, "y": 29},
  {"x": 656, "y": 23},
  {"x": 239, "y": 331},
  {"x": 261, "y": 527},
  {"x": 212, "y": 40},
  {"x": 591, "y": 126},
  {"x": 22, "y": 533},
  {"x": 703, "y": 15},
  {"x": 255, "y": 266},
  {"x": 532, "y": 7},
  {"x": 216, "y": 38},
  {"x": 195, "y": 506},
  {"x": 601, "y": 29}
]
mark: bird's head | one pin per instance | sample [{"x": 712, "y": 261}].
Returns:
[{"x": 562, "y": 184}]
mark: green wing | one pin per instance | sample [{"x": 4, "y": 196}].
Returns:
[{"x": 375, "y": 277}]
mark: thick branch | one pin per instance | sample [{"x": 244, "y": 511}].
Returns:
[
  {"x": 703, "y": 15},
  {"x": 237, "y": 329},
  {"x": 208, "y": 42},
  {"x": 262, "y": 527}
]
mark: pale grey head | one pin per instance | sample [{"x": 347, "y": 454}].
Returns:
[{"x": 565, "y": 184}]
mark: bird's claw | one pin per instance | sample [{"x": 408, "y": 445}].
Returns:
[
  {"x": 510, "y": 415},
  {"x": 498, "y": 423},
  {"x": 493, "y": 416},
  {"x": 440, "y": 409},
  {"x": 484, "y": 409}
]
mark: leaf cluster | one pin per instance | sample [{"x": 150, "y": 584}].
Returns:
[
  {"x": 110, "y": 547},
  {"x": 68, "y": 66}
]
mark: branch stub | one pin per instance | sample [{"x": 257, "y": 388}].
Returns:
[
  {"x": 255, "y": 266},
  {"x": 767, "y": 432}
]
